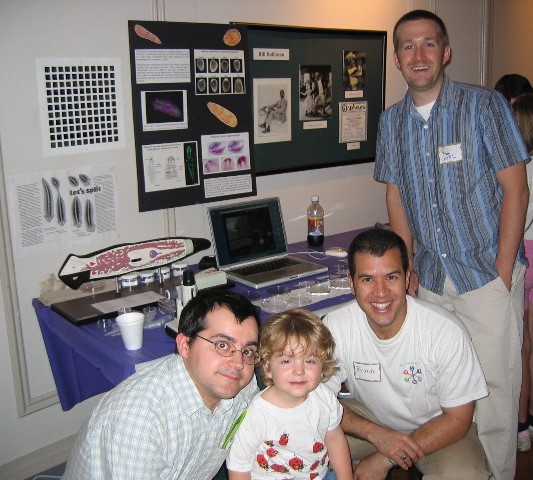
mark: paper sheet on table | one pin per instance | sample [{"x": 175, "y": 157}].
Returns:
[{"x": 110, "y": 306}]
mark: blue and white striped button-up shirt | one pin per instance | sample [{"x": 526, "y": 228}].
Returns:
[{"x": 445, "y": 169}]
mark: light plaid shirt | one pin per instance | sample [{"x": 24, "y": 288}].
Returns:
[{"x": 154, "y": 425}]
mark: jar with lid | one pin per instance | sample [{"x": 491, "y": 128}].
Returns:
[
  {"x": 177, "y": 268},
  {"x": 146, "y": 277},
  {"x": 162, "y": 274},
  {"x": 128, "y": 280}
]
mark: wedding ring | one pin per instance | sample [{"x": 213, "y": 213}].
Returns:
[
  {"x": 392, "y": 462},
  {"x": 403, "y": 457}
]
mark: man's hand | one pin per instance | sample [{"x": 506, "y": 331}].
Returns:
[
  {"x": 505, "y": 274},
  {"x": 397, "y": 446},
  {"x": 391, "y": 444}
]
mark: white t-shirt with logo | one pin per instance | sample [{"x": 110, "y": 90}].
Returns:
[{"x": 404, "y": 381}]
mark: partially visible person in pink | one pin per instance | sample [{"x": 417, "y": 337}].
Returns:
[{"x": 523, "y": 110}]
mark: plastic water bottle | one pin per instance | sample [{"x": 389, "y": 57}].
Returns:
[{"x": 315, "y": 223}]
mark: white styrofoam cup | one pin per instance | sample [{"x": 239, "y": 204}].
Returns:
[{"x": 131, "y": 325}]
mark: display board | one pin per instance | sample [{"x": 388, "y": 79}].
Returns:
[
  {"x": 330, "y": 83},
  {"x": 215, "y": 105},
  {"x": 191, "y": 96}
]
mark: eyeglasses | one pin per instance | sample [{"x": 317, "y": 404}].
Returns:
[{"x": 227, "y": 349}]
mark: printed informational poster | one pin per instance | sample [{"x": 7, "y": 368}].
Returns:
[
  {"x": 170, "y": 165},
  {"x": 353, "y": 120},
  {"x": 191, "y": 94},
  {"x": 225, "y": 153},
  {"x": 60, "y": 209}
]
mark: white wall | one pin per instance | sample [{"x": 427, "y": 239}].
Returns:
[{"x": 31, "y": 29}]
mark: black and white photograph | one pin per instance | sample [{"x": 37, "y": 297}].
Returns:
[
  {"x": 272, "y": 110},
  {"x": 315, "y": 92}
]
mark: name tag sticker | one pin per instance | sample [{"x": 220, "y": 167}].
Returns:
[
  {"x": 450, "y": 153},
  {"x": 370, "y": 372}
]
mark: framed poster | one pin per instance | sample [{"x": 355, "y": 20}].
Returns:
[{"x": 337, "y": 84}]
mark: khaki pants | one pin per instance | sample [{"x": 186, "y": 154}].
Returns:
[
  {"x": 494, "y": 318},
  {"x": 462, "y": 460}
]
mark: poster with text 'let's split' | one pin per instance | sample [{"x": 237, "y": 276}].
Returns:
[{"x": 191, "y": 93}]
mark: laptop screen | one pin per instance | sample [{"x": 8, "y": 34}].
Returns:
[{"x": 248, "y": 231}]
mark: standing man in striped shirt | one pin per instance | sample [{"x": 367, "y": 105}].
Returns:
[{"x": 454, "y": 163}]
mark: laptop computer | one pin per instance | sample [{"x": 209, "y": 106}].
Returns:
[{"x": 251, "y": 246}]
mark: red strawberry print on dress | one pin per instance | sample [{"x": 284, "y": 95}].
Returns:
[
  {"x": 296, "y": 464},
  {"x": 318, "y": 447},
  {"x": 278, "y": 468},
  {"x": 271, "y": 452},
  {"x": 261, "y": 461}
]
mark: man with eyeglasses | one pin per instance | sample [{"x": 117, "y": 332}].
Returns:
[{"x": 175, "y": 419}]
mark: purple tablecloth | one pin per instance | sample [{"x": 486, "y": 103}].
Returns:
[{"x": 85, "y": 362}]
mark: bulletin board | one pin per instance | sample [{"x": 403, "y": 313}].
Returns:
[
  {"x": 191, "y": 96},
  {"x": 343, "y": 133}
]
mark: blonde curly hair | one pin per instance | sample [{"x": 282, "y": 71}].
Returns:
[{"x": 296, "y": 327}]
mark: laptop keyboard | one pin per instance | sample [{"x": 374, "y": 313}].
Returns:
[{"x": 265, "y": 267}]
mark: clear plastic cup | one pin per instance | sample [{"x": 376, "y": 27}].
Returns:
[
  {"x": 106, "y": 324},
  {"x": 149, "y": 313},
  {"x": 167, "y": 306},
  {"x": 131, "y": 326}
]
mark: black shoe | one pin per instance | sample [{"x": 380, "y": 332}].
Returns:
[
  {"x": 263, "y": 125},
  {"x": 267, "y": 129}
]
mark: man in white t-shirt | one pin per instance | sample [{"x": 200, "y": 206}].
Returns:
[{"x": 410, "y": 368}]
